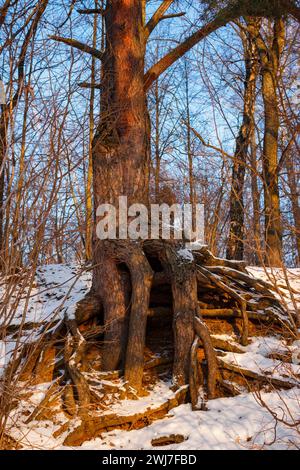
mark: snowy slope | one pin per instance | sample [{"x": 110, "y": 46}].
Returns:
[
  {"x": 235, "y": 423},
  {"x": 230, "y": 423}
]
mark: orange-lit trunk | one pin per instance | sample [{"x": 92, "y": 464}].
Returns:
[
  {"x": 120, "y": 167},
  {"x": 270, "y": 68}
]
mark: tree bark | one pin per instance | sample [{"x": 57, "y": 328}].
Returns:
[
  {"x": 157, "y": 142},
  {"x": 3, "y": 148},
  {"x": 192, "y": 191},
  {"x": 255, "y": 204},
  {"x": 120, "y": 159},
  {"x": 270, "y": 61},
  {"x": 235, "y": 245},
  {"x": 294, "y": 197},
  {"x": 89, "y": 182}
]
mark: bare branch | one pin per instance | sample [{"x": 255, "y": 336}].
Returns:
[
  {"x": 90, "y": 11},
  {"x": 291, "y": 8},
  {"x": 157, "y": 17},
  {"x": 79, "y": 45},
  {"x": 173, "y": 15},
  {"x": 206, "y": 144},
  {"x": 41, "y": 7},
  {"x": 217, "y": 149},
  {"x": 19, "y": 30},
  {"x": 69, "y": 13},
  {"x": 96, "y": 86},
  {"x": 225, "y": 16}
]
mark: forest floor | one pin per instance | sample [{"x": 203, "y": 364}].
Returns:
[{"x": 268, "y": 419}]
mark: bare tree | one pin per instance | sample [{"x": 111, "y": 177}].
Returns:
[
  {"x": 235, "y": 246},
  {"x": 270, "y": 62}
]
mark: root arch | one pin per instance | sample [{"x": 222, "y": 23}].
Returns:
[{"x": 114, "y": 315}]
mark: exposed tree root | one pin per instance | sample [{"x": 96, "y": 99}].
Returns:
[
  {"x": 98, "y": 425},
  {"x": 195, "y": 374},
  {"x": 141, "y": 278},
  {"x": 233, "y": 293},
  {"x": 52, "y": 392},
  {"x": 167, "y": 440},
  {"x": 73, "y": 355},
  {"x": 212, "y": 365},
  {"x": 153, "y": 281},
  {"x": 262, "y": 378}
]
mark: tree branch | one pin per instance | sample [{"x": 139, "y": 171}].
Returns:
[
  {"x": 206, "y": 144},
  {"x": 79, "y": 45},
  {"x": 89, "y": 11},
  {"x": 217, "y": 149},
  {"x": 224, "y": 16},
  {"x": 172, "y": 15},
  {"x": 96, "y": 86},
  {"x": 291, "y": 8},
  {"x": 157, "y": 17},
  {"x": 40, "y": 8}
]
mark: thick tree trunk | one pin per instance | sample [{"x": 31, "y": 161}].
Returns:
[
  {"x": 270, "y": 58},
  {"x": 192, "y": 191},
  {"x": 89, "y": 181},
  {"x": 120, "y": 162},
  {"x": 235, "y": 245}
]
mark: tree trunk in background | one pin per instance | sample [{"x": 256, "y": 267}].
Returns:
[
  {"x": 270, "y": 60},
  {"x": 16, "y": 246},
  {"x": 235, "y": 244},
  {"x": 294, "y": 196},
  {"x": 89, "y": 183},
  {"x": 6, "y": 110},
  {"x": 120, "y": 167},
  {"x": 192, "y": 192},
  {"x": 3, "y": 144},
  {"x": 255, "y": 204},
  {"x": 157, "y": 139}
]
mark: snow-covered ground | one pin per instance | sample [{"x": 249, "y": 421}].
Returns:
[
  {"x": 59, "y": 286},
  {"x": 230, "y": 423},
  {"x": 286, "y": 282},
  {"x": 240, "y": 422}
]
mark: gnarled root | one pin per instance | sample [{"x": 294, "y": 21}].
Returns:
[
  {"x": 73, "y": 354},
  {"x": 212, "y": 364},
  {"x": 239, "y": 299}
]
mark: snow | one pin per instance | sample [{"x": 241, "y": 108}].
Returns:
[
  {"x": 186, "y": 254},
  {"x": 56, "y": 291},
  {"x": 58, "y": 287},
  {"x": 160, "y": 393},
  {"x": 256, "y": 357},
  {"x": 278, "y": 278},
  {"x": 229, "y": 423},
  {"x": 263, "y": 366},
  {"x": 296, "y": 353},
  {"x": 241, "y": 422}
]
